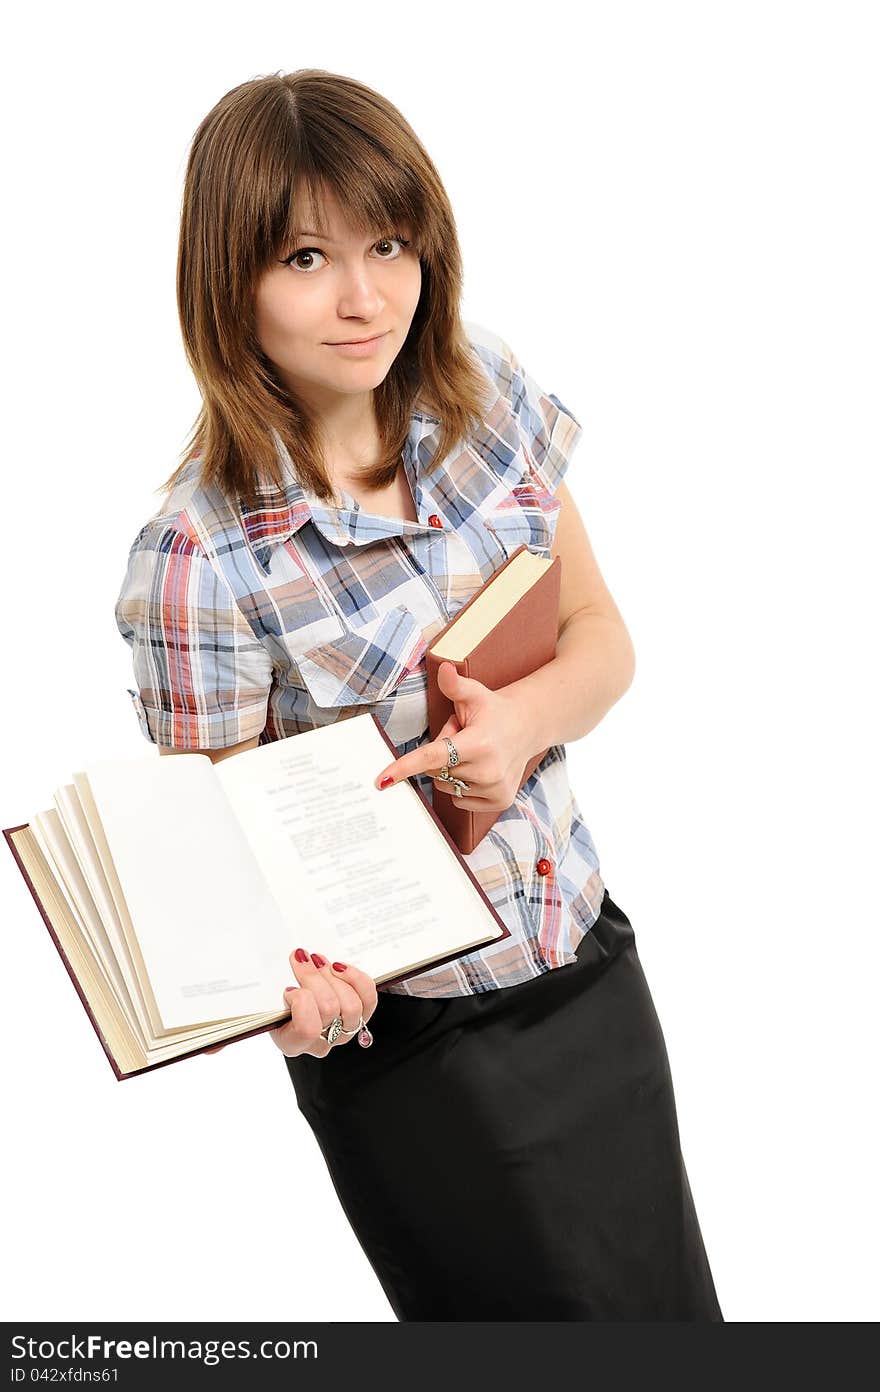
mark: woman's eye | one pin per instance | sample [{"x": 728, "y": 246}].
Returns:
[
  {"x": 386, "y": 241},
  {"x": 293, "y": 259},
  {"x": 303, "y": 251}
]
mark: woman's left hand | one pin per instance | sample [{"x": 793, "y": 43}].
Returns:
[{"x": 493, "y": 740}]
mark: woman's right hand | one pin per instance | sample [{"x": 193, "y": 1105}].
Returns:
[{"x": 324, "y": 991}]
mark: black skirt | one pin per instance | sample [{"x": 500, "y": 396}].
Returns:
[{"x": 514, "y": 1155}]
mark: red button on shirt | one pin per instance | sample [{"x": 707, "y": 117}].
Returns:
[
  {"x": 434, "y": 520},
  {"x": 543, "y": 867}
]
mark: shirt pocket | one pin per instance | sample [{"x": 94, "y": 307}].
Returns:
[
  {"x": 525, "y": 514},
  {"x": 364, "y": 663}
]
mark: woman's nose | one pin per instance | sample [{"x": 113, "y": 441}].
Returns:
[{"x": 358, "y": 295}]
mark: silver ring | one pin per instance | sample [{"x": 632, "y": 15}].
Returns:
[
  {"x": 460, "y": 786},
  {"x": 333, "y": 1030},
  {"x": 454, "y": 756}
]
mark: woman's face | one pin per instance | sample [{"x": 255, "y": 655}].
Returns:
[{"x": 334, "y": 289}]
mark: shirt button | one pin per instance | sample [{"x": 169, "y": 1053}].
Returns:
[
  {"x": 543, "y": 867},
  {"x": 434, "y": 520}
]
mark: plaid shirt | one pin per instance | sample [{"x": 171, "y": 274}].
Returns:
[{"x": 272, "y": 620}]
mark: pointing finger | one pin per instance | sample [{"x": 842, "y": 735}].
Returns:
[{"x": 428, "y": 758}]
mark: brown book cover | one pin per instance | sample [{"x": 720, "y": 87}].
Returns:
[
  {"x": 19, "y": 848},
  {"x": 523, "y": 639}
]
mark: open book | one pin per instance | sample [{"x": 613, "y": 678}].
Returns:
[
  {"x": 504, "y": 632},
  {"x": 175, "y": 889}
]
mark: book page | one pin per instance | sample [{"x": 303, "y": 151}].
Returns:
[
  {"x": 49, "y": 833},
  {"x": 362, "y": 875},
  {"x": 210, "y": 933},
  {"x": 76, "y": 831}
]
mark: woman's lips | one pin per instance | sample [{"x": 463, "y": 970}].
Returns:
[{"x": 358, "y": 350}]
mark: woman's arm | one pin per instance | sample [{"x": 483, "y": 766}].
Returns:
[{"x": 583, "y": 586}]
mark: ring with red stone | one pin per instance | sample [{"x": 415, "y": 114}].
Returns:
[{"x": 365, "y": 1038}]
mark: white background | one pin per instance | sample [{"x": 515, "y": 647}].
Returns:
[{"x": 671, "y": 213}]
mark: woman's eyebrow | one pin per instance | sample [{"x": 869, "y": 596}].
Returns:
[{"x": 306, "y": 232}]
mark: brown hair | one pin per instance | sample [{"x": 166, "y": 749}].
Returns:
[{"x": 268, "y": 147}]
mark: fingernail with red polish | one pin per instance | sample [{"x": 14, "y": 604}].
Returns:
[
  {"x": 339, "y": 966},
  {"x": 318, "y": 960},
  {"x": 385, "y": 781},
  {"x": 301, "y": 955}
]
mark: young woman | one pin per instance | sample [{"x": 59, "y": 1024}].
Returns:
[{"x": 501, "y": 1130}]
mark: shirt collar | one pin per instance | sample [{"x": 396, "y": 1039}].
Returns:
[{"x": 279, "y": 513}]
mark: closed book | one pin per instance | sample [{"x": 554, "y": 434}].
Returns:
[
  {"x": 504, "y": 632},
  {"x": 175, "y": 889}
]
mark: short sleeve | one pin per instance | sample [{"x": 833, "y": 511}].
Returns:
[
  {"x": 550, "y": 428},
  {"x": 202, "y": 676}
]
